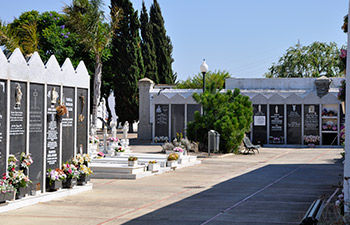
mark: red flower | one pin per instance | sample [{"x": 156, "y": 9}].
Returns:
[{"x": 13, "y": 168}]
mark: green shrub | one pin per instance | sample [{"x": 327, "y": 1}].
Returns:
[{"x": 228, "y": 113}]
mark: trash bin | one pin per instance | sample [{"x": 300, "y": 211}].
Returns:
[{"x": 213, "y": 141}]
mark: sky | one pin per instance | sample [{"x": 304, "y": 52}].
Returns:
[{"x": 243, "y": 37}]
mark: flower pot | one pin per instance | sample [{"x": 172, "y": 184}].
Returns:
[
  {"x": 171, "y": 164},
  {"x": 132, "y": 163},
  {"x": 83, "y": 179},
  {"x": 21, "y": 192},
  {"x": 10, "y": 196},
  {"x": 154, "y": 167},
  {"x": 54, "y": 185},
  {"x": 69, "y": 183},
  {"x": 2, "y": 198}
]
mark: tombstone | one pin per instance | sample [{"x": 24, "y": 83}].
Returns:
[
  {"x": 294, "y": 124},
  {"x": 82, "y": 120},
  {"x": 311, "y": 120},
  {"x": 177, "y": 119},
  {"x": 3, "y": 126},
  {"x": 53, "y": 128},
  {"x": 36, "y": 133},
  {"x": 68, "y": 124},
  {"x": 161, "y": 120},
  {"x": 276, "y": 124},
  {"x": 18, "y": 117},
  {"x": 260, "y": 124}
]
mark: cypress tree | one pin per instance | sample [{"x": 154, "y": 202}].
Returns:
[
  {"x": 147, "y": 46},
  {"x": 127, "y": 63},
  {"x": 164, "y": 47}
]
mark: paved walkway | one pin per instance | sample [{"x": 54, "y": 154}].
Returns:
[{"x": 273, "y": 187}]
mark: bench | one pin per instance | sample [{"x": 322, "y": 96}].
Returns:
[
  {"x": 314, "y": 213},
  {"x": 249, "y": 147}
]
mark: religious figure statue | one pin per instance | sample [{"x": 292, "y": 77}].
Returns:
[
  {"x": 125, "y": 130},
  {"x": 54, "y": 96},
  {"x": 18, "y": 96}
]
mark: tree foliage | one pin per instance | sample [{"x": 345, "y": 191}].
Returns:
[
  {"x": 147, "y": 46},
  {"x": 196, "y": 82},
  {"x": 127, "y": 63},
  {"x": 86, "y": 19},
  {"x": 228, "y": 113},
  {"x": 164, "y": 48},
  {"x": 314, "y": 60}
]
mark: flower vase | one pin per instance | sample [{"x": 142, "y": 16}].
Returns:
[
  {"x": 21, "y": 192},
  {"x": 10, "y": 196},
  {"x": 132, "y": 163},
  {"x": 171, "y": 164},
  {"x": 54, "y": 185},
  {"x": 2, "y": 198},
  {"x": 69, "y": 182},
  {"x": 83, "y": 179},
  {"x": 154, "y": 167}
]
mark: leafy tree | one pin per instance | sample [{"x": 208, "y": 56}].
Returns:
[
  {"x": 147, "y": 46},
  {"x": 86, "y": 17},
  {"x": 127, "y": 63},
  {"x": 228, "y": 113},
  {"x": 164, "y": 47},
  {"x": 308, "y": 61},
  {"x": 196, "y": 82}
]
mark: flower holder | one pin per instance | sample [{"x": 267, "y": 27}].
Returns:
[
  {"x": 155, "y": 167},
  {"x": 54, "y": 185},
  {"x": 132, "y": 163},
  {"x": 69, "y": 183},
  {"x": 171, "y": 164},
  {"x": 83, "y": 179},
  {"x": 22, "y": 192}
]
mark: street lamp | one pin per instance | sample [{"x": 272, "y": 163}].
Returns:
[{"x": 204, "y": 70}]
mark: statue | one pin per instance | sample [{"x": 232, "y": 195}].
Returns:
[
  {"x": 125, "y": 130},
  {"x": 54, "y": 96},
  {"x": 18, "y": 96}
]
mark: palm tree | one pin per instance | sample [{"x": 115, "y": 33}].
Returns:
[{"x": 86, "y": 18}]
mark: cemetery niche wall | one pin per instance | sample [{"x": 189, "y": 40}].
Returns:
[
  {"x": 287, "y": 111},
  {"x": 40, "y": 114}
]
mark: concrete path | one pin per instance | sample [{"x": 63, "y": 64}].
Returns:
[{"x": 274, "y": 187}]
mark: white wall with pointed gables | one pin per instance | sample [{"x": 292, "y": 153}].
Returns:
[{"x": 16, "y": 67}]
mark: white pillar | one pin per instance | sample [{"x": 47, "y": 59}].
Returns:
[{"x": 347, "y": 125}]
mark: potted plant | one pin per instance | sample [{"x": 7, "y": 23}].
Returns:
[
  {"x": 153, "y": 166},
  {"x": 7, "y": 191},
  {"x": 72, "y": 174},
  {"x": 132, "y": 161},
  {"x": 172, "y": 160},
  {"x": 54, "y": 179},
  {"x": 84, "y": 174},
  {"x": 118, "y": 150},
  {"x": 180, "y": 151},
  {"x": 311, "y": 140}
]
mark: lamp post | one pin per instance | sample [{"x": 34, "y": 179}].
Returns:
[{"x": 204, "y": 70}]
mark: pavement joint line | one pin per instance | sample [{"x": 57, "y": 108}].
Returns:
[
  {"x": 262, "y": 189},
  {"x": 145, "y": 206},
  {"x": 69, "y": 217}
]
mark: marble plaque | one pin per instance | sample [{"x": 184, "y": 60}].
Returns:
[
  {"x": 18, "y": 117},
  {"x": 311, "y": 119},
  {"x": 68, "y": 124},
  {"x": 82, "y": 120},
  {"x": 53, "y": 127},
  {"x": 191, "y": 109},
  {"x": 177, "y": 120},
  {"x": 294, "y": 124},
  {"x": 3, "y": 125},
  {"x": 259, "y": 124},
  {"x": 36, "y": 132},
  {"x": 276, "y": 124},
  {"x": 161, "y": 120}
]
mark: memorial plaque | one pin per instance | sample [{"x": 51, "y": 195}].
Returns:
[
  {"x": 294, "y": 124},
  {"x": 68, "y": 124},
  {"x": 18, "y": 117},
  {"x": 53, "y": 128},
  {"x": 276, "y": 124},
  {"x": 177, "y": 120},
  {"x": 161, "y": 121},
  {"x": 311, "y": 120},
  {"x": 36, "y": 132},
  {"x": 82, "y": 120},
  {"x": 3, "y": 125},
  {"x": 259, "y": 124},
  {"x": 191, "y": 109}
]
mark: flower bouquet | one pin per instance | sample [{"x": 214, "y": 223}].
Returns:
[
  {"x": 132, "y": 161},
  {"x": 100, "y": 155},
  {"x": 172, "y": 160},
  {"x": 119, "y": 149},
  {"x": 72, "y": 174},
  {"x": 7, "y": 191},
  {"x": 54, "y": 179},
  {"x": 311, "y": 140},
  {"x": 26, "y": 160},
  {"x": 85, "y": 172},
  {"x": 61, "y": 110}
]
